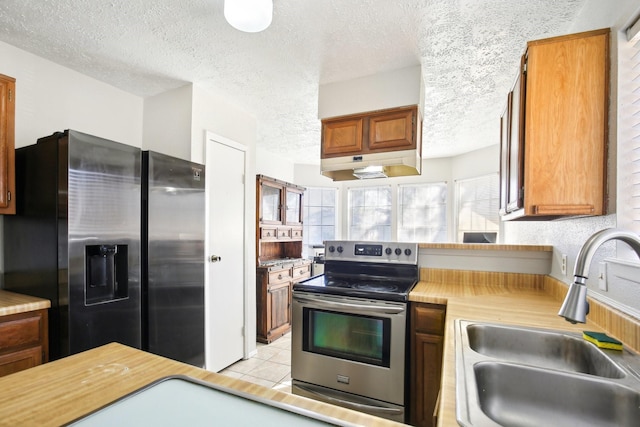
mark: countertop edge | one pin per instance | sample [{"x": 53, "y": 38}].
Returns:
[{"x": 14, "y": 303}]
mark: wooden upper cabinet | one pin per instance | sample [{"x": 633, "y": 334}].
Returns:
[
  {"x": 504, "y": 155},
  {"x": 342, "y": 136},
  {"x": 7, "y": 145},
  {"x": 515, "y": 177},
  {"x": 563, "y": 119},
  {"x": 376, "y": 131},
  {"x": 392, "y": 130}
]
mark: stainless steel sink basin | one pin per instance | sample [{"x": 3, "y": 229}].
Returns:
[
  {"x": 555, "y": 350},
  {"x": 516, "y": 395},
  {"x": 517, "y": 376}
]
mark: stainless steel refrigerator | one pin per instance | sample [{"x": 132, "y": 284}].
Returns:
[
  {"x": 173, "y": 227},
  {"x": 75, "y": 239}
]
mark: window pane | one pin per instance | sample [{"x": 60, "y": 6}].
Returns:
[
  {"x": 370, "y": 213},
  {"x": 477, "y": 204},
  {"x": 319, "y": 217},
  {"x": 422, "y": 212}
]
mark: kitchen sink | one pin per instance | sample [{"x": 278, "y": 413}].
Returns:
[
  {"x": 518, "y": 376},
  {"x": 517, "y": 395},
  {"x": 555, "y": 350}
]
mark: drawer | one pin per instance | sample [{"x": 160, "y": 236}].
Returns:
[
  {"x": 279, "y": 276},
  {"x": 20, "y": 331},
  {"x": 296, "y": 233},
  {"x": 284, "y": 233},
  {"x": 301, "y": 272},
  {"x": 20, "y": 360},
  {"x": 268, "y": 233},
  {"x": 429, "y": 319}
]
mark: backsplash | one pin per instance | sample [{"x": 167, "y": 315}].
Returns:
[
  {"x": 622, "y": 326},
  {"x": 567, "y": 237}
]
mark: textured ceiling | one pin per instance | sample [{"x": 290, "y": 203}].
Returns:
[{"x": 468, "y": 50}]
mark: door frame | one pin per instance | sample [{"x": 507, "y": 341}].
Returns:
[{"x": 249, "y": 328}]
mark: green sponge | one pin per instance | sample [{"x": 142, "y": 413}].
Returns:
[{"x": 602, "y": 340}]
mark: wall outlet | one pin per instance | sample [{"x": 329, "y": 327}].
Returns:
[
  {"x": 563, "y": 265},
  {"x": 602, "y": 276}
]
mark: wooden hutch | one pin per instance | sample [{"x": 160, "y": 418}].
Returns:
[{"x": 279, "y": 254}]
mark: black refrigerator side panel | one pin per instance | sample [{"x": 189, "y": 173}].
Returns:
[
  {"x": 173, "y": 257},
  {"x": 30, "y": 236}
]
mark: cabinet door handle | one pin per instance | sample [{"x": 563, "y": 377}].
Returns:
[
  {"x": 268, "y": 234},
  {"x": 215, "y": 258}
]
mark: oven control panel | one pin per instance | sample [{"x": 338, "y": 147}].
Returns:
[{"x": 348, "y": 250}]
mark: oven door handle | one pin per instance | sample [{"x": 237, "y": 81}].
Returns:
[
  {"x": 353, "y": 405},
  {"x": 364, "y": 307}
]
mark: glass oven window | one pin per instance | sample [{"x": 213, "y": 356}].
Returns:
[{"x": 347, "y": 336}]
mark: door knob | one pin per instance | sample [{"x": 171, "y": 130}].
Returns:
[{"x": 215, "y": 258}]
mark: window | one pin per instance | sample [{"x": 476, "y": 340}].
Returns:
[
  {"x": 629, "y": 130},
  {"x": 319, "y": 216},
  {"x": 422, "y": 212},
  {"x": 370, "y": 213},
  {"x": 478, "y": 204}
]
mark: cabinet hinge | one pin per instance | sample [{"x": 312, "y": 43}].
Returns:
[
  {"x": 524, "y": 68},
  {"x": 9, "y": 195},
  {"x": 10, "y": 95}
]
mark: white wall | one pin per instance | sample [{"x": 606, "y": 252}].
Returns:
[
  {"x": 167, "y": 123},
  {"x": 395, "y": 88},
  {"x": 221, "y": 116},
  {"x": 476, "y": 163},
  {"x": 52, "y": 98},
  {"x": 275, "y": 166}
]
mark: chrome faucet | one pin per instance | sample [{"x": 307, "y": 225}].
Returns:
[{"x": 575, "y": 306}]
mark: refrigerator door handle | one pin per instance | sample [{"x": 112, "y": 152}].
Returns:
[{"x": 215, "y": 258}]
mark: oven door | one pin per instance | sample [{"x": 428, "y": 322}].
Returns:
[{"x": 353, "y": 345}]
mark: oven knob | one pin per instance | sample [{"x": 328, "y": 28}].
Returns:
[
  {"x": 398, "y": 251},
  {"x": 332, "y": 249},
  {"x": 407, "y": 252},
  {"x": 388, "y": 251},
  {"x": 340, "y": 249}
]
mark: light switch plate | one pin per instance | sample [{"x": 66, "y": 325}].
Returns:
[{"x": 602, "y": 276}]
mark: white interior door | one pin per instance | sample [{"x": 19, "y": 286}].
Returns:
[{"x": 225, "y": 249}]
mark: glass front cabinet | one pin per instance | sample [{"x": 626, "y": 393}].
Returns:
[{"x": 279, "y": 261}]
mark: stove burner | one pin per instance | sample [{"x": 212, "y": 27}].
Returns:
[{"x": 377, "y": 287}]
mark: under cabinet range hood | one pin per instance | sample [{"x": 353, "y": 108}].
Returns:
[
  {"x": 372, "y": 125},
  {"x": 374, "y": 165}
]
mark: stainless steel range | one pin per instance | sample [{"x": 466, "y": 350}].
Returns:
[{"x": 349, "y": 327}]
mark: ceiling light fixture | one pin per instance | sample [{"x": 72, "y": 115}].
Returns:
[{"x": 250, "y": 16}]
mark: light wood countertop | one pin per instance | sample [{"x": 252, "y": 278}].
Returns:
[
  {"x": 517, "y": 304},
  {"x": 486, "y": 247},
  {"x": 12, "y": 303},
  {"x": 61, "y": 391}
]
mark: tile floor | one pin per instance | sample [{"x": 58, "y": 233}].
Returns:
[{"x": 270, "y": 367}]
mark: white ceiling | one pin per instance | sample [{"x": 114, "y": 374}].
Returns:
[{"x": 468, "y": 50}]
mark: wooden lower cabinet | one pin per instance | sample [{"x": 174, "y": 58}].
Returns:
[
  {"x": 427, "y": 343},
  {"x": 274, "y": 285},
  {"x": 23, "y": 341}
]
